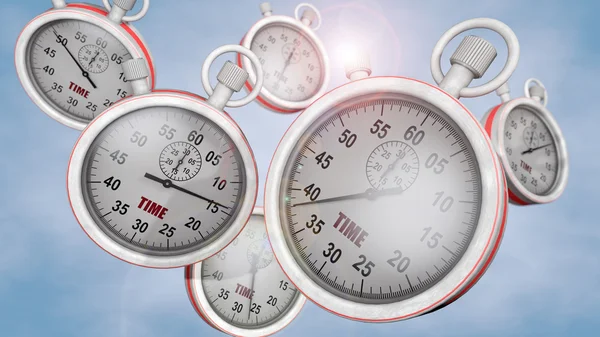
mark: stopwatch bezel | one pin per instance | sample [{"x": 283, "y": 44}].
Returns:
[
  {"x": 174, "y": 99},
  {"x": 485, "y": 240},
  {"x": 519, "y": 194},
  {"x": 198, "y": 299},
  {"x": 126, "y": 34},
  {"x": 266, "y": 98}
]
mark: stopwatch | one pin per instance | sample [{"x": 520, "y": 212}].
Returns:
[
  {"x": 385, "y": 199},
  {"x": 242, "y": 291},
  {"x": 530, "y": 145},
  {"x": 69, "y": 59},
  {"x": 294, "y": 60},
  {"x": 165, "y": 179}
]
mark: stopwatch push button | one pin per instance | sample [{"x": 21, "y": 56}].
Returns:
[
  {"x": 308, "y": 16},
  {"x": 127, "y": 5},
  {"x": 475, "y": 54},
  {"x": 358, "y": 66},
  {"x": 537, "y": 91},
  {"x": 232, "y": 76},
  {"x": 136, "y": 73}
]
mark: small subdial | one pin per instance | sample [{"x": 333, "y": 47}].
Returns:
[
  {"x": 291, "y": 52},
  {"x": 260, "y": 254},
  {"x": 180, "y": 161},
  {"x": 392, "y": 164},
  {"x": 93, "y": 59},
  {"x": 530, "y": 137}
]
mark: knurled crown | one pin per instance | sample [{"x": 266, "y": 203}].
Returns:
[
  {"x": 265, "y": 7},
  {"x": 232, "y": 76},
  {"x": 358, "y": 62},
  {"x": 537, "y": 91},
  {"x": 125, "y": 4},
  {"x": 474, "y": 53},
  {"x": 309, "y": 14},
  {"x": 135, "y": 69}
]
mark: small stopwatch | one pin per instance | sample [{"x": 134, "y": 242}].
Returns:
[
  {"x": 242, "y": 291},
  {"x": 294, "y": 60},
  {"x": 69, "y": 59},
  {"x": 385, "y": 199},
  {"x": 165, "y": 179},
  {"x": 530, "y": 145}
]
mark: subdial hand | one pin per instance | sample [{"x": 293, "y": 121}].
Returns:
[
  {"x": 287, "y": 63},
  {"x": 181, "y": 160},
  {"x": 169, "y": 184},
  {"x": 63, "y": 42},
  {"x": 535, "y": 149},
  {"x": 93, "y": 59},
  {"x": 390, "y": 167},
  {"x": 370, "y": 194}
]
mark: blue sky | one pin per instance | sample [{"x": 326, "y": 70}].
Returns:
[{"x": 545, "y": 280}]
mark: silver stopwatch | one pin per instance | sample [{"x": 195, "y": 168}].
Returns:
[
  {"x": 385, "y": 199},
  {"x": 530, "y": 145},
  {"x": 294, "y": 60},
  {"x": 242, "y": 291},
  {"x": 69, "y": 59},
  {"x": 166, "y": 179}
]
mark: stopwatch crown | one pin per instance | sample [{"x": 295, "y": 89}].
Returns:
[
  {"x": 308, "y": 16},
  {"x": 232, "y": 76},
  {"x": 265, "y": 9},
  {"x": 135, "y": 69},
  {"x": 127, "y": 5},
  {"x": 475, "y": 54},
  {"x": 358, "y": 66},
  {"x": 537, "y": 91}
]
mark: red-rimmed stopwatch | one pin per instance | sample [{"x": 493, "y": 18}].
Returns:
[
  {"x": 294, "y": 59},
  {"x": 242, "y": 291},
  {"x": 530, "y": 145},
  {"x": 69, "y": 59},
  {"x": 166, "y": 179},
  {"x": 385, "y": 199}
]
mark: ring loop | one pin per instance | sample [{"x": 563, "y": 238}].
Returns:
[
  {"x": 297, "y": 13},
  {"x": 511, "y": 63},
  {"x": 257, "y": 68},
  {"x": 130, "y": 18},
  {"x": 538, "y": 82}
]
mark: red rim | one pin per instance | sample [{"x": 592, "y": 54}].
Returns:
[{"x": 489, "y": 241}]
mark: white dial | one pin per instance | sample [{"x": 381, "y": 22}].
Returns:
[
  {"x": 163, "y": 180},
  {"x": 77, "y": 67},
  {"x": 397, "y": 230},
  {"x": 291, "y": 62},
  {"x": 244, "y": 284},
  {"x": 530, "y": 150}
]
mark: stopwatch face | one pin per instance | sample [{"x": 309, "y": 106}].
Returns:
[
  {"x": 293, "y": 67},
  {"x": 243, "y": 284},
  {"x": 163, "y": 180},
  {"x": 531, "y": 150},
  {"x": 76, "y": 66},
  {"x": 380, "y": 198}
]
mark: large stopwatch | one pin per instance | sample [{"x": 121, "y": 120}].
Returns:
[
  {"x": 69, "y": 59},
  {"x": 294, "y": 60},
  {"x": 166, "y": 179},
  {"x": 385, "y": 199},
  {"x": 530, "y": 145},
  {"x": 242, "y": 290}
]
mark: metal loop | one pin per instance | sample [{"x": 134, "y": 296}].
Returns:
[
  {"x": 499, "y": 27},
  {"x": 538, "y": 82},
  {"x": 257, "y": 68},
  {"x": 297, "y": 13},
  {"x": 131, "y": 18}
]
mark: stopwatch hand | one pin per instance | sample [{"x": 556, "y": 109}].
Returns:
[
  {"x": 169, "y": 184},
  {"x": 370, "y": 194},
  {"x": 83, "y": 72},
  {"x": 535, "y": 149}
]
